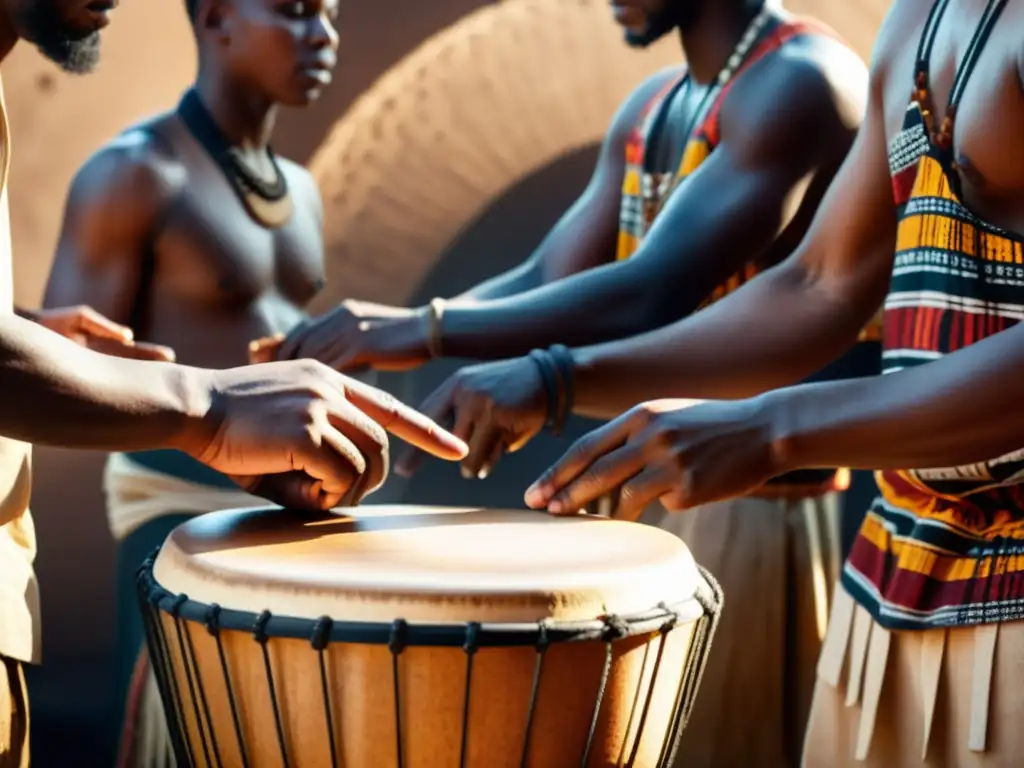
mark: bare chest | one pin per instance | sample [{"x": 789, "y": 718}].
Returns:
[
  {"x": 986, "y": 156},
  {"x": 210, "y": 251}
]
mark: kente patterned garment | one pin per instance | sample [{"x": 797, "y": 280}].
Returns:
[
  {"x": 645, "y": 190},
  {"x": 943, "y": 547}
]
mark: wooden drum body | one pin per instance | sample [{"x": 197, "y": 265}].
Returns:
[{"x": 425, "y": 638}]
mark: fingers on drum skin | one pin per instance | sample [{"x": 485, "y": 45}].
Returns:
[
  {"x": 602, "y": 477},
  {"x": 580, "y": 455},
  {"x": 487, "y": 439},
  {"x": 492, "y": 460},
  {"x": 296, "y": 490}
]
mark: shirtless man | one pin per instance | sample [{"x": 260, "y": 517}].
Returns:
[
  {"x": 319, "y": 442},
  {"x": 927, "y": 215},
  {"x": 191, "y": 231},
  {"x": 696, "y": 189}
]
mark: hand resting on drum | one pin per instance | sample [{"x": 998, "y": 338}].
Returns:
[
  {"x": 494, "y": 407},
  {"x": 680, "y": 452},
  {"x": 306, "y": 436}
]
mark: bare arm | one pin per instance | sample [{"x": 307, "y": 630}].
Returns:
[
  {"x": 784, "y": 325},
  {"x": 585, "y": 236},
  {"x": 110, "y": 219},
  {"x": 59, "y": 393},
  {"x": 728, "y": 212}
]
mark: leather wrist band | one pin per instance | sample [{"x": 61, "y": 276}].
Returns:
[
  {"x": 562, "y": 358},
  {"x": 435, "y": 331},
  {"x": 549, "y": 377}
]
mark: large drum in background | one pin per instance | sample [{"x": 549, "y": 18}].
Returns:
[{"x": 425, "y": 637}]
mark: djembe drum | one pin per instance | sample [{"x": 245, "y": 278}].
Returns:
[{"x": 425, "y": 637}]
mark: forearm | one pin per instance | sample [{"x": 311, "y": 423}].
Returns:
[
  {"x": 524, "y": 277},
  {"x": 598, "y": 305},
  {"x": 775, "y": 331},
  {"x": 962, "y": 409},
  {"x": 59, "y": 393}
]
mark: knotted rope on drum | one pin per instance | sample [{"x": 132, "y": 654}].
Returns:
[
  {"x": 259, "y": 633},
  {"x": 319, "y": 640},
  {"x": 213, "y": 627},
  {"x": 178, "y": 680},
  {"x": 396, "y": 644}
]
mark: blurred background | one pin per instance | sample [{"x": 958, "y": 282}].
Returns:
[{"x": 454, "y": 135}]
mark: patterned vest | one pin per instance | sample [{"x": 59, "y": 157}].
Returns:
[
  {"x": 942, "y": 547},
  {"x": 645, "y": 192}
]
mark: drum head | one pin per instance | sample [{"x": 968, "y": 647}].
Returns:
[{"x": 425, "y": 564}]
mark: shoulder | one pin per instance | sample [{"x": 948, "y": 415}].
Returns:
[
  {"x": 138, "y": 167},
  {"x": 805, "y": 100},
  {"x": 633, "y": 106}
]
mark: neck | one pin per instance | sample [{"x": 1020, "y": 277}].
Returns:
[
  {"x": 711, "y": 36},
  {"x": 8, "y": 36},
  {"x": 245, "y": 119}
]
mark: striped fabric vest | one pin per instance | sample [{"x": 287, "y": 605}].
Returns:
[
  {"x": 943, "y": 547},
  {"x": 645, "y": 191}
]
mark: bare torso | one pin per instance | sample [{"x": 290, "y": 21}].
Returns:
[
  {"x": 987, "y": 129},
  {"x": 206, "y": 278}
]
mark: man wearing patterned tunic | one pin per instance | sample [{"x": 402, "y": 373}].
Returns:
[
  {"x": 933, "y": 588},
  {"x": 708, "y": 175}
]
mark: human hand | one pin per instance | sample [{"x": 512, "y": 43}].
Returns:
[
  {"x": 673, "y": 450},
  {"x": 87, "y": 327},
  {"x": 304, "y": 435},
  {"x": 358, "y": 334},
  {"x": 495, "y": 407}
]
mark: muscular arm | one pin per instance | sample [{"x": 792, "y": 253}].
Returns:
[
  {"x": 785, "y": 324},
  {"x": 961, "y": 409},
  {"x": 586, "y": 234},
  {"x": 59, "y": 393},
  {"x": 728, "y": 212},
  {"x": 109, "y": 219}
]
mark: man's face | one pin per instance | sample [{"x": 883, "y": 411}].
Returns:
[
  {"x": 646, "y": 21},
  {"x": 65, "y": 31},
  {"x": 287, "y": 49}
]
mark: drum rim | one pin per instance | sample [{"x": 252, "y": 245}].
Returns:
[{"x": 705, "y": 602}]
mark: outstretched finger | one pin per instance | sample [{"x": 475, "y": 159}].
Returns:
[
  {"x": 405, "y": 422},
  {"x": 602, "y": 477},
  {"x": 438, "y": 407},
  {"x": 580, "y": 455},
  {"x": 89, "y": 322}
]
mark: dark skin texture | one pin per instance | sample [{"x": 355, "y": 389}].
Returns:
[
  {"x": 220, "y": 278},
  {"x": 326, "y": 439},
  {"x": 754, "y": 196},
  {"x": 732, "y": 209},
  {"x": 958, "y": 410}
]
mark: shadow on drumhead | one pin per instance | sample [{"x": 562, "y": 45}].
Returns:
[{"x": 274, "y": 526}]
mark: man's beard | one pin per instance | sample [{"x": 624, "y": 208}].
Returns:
[
  {"x": 673, "y": 15},
  {"x": 73, "y": 49}
]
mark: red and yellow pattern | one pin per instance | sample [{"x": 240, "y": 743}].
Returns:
[{"x": 944, "y": 546}]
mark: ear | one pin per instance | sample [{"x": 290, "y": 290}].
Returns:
[{"x": 214, "y": 19}]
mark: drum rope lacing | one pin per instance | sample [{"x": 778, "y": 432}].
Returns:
[{"x": 398, "y": 636}]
